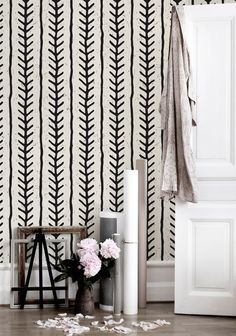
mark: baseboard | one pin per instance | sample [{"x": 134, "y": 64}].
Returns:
[
  {"x": 160, "y": 282},
  {"x": 5, "y": 276}
]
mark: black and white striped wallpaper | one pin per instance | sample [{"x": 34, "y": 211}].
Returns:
[{"x": 80, "y": 84}]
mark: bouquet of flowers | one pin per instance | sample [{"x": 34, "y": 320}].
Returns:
[{"x": 90, "y": 263}]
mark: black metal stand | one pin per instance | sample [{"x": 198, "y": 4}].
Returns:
[{"x": 41, "y": 242}]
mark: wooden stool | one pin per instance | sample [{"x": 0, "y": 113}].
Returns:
[{"x": 40, "y": 242}]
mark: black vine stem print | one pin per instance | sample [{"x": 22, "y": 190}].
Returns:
[
  {"x": 25, "y": 114},
  {"x": 177, "y": 1},
  {"x": 162, "y": 60},
  {"x": 71, "y": 117},
  {"x": 116, "y": 111},
  {"x": 25, "y": 111},
  {"x": 1, "y": 133},
  {"x": 56, "y": 118},
  {"x": 86, "y": 111},
  {"x": 146, "y": 109}
]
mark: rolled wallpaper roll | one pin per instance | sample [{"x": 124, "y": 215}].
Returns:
[
  {"x": 106, "y": 294},
  {"x": 119, "y": 220},
  {"x": 117, "y": 290},
  {"x": 108, "y": 226},
  {"x": 130, "y": 300},
  {"x": 141, "y": 166},
  {"x": 130, "y": 305},
  {"x": 131, "y": 206}
]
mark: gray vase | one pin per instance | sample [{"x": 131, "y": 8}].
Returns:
[{"x": 84, "y": 302}]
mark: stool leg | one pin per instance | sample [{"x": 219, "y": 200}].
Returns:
[
  {"x": 24, "y": 291},
  {"x": 40, "y": 272},
  {"x": 21, "y": 263},
  {"x": 50, "y": 272}
]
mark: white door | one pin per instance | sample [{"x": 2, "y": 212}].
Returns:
[{"x": 205, "y": 274}]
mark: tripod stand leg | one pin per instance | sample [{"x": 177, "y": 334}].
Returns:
[
  {"x": 24, "y": 291},
  {"x": 50, "y": 272},
  {"x": 40, "y": 242}
]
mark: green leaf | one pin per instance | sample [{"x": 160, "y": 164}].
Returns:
[
  {"x": 58, "y": 268},
  {"x": 60, "y": 277}
]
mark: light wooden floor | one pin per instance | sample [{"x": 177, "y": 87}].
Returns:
[{"x": 14, "y": 322}]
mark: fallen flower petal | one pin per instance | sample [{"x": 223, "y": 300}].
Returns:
[
  {"x": 122, "y": 330},
  {"x": 89, "y": 317},
  {"x": 108, "y": 317},
  {"x": 112, "y": 322},
  {"x": 94, "y": 323}
]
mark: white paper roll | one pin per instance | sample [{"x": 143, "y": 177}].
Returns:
[
  {"x": 130, "y": 305},
  {"x": 141, "y": 166},
  {"x": 131, "y": 206}
]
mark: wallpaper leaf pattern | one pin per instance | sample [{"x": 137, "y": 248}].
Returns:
[
  {"x": 25, "y": 111},
  {"x": 56, "y": 118},
  {"x": 147, "y": 110},
  {"x": 116, "y": 118},
  {"x": 25, "y": 115},
  {"x": 86, "y": 110},
  {"x": 177, "y": 2},
  {"x": 80, "y": 85}
]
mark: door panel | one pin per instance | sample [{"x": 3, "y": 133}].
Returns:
[
  {"x": 205, "y": 264},
  {"x": 205, "y": 259},
  {"x": 212, "y": 34},
  {"x": 210, "y": 263}
]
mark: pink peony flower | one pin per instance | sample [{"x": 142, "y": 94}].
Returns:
[
  {"x": 82, "y": 252},
  {"x": 109, "y": 249},
  {"x": 91, "y": 263},
  {"x": 88, "y": 244}
]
